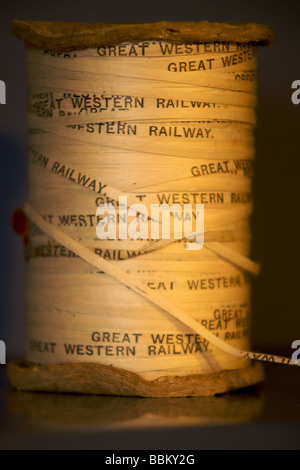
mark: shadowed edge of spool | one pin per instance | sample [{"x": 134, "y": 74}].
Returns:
[
  {"x": 63, "y": 36},
  {"x": 98, "y": 379}
]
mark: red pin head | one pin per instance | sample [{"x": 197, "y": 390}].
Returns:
[{"x": 20, "y": 224}]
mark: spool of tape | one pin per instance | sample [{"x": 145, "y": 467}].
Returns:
[{"x": 158, "y": 114}]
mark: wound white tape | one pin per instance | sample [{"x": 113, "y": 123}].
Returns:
[{"x": 157, "y": 129}]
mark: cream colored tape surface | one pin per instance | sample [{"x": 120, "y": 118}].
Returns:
[{"x": 158, "y": 124}]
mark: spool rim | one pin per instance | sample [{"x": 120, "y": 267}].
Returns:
[
  {"x": 99, "y": 379},
  {"x": 64, "y": 36}
]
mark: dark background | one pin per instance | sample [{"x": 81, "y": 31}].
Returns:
[{"x": 276, "y": 314}]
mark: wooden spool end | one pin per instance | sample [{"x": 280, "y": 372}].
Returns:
[
  {"x": 59, "y": 36},
  {"x": 97, "y": 379}
]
